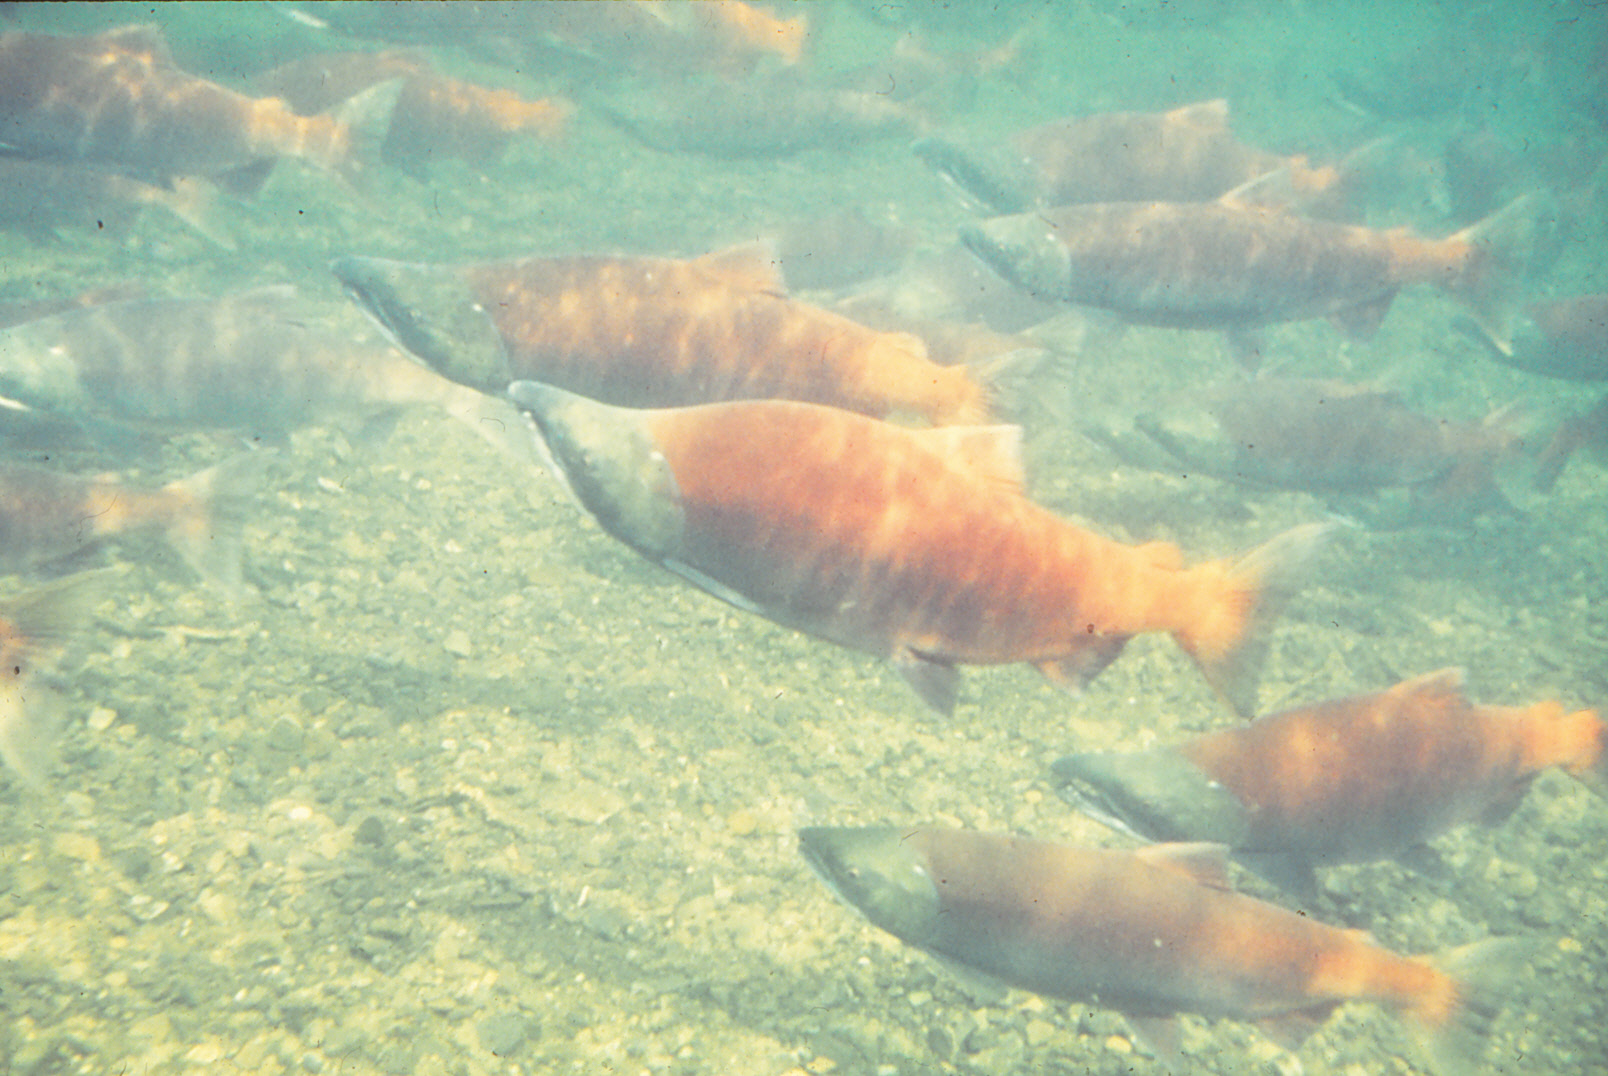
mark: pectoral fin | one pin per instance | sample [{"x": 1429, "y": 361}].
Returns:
[{"x": 936, "y": 682}]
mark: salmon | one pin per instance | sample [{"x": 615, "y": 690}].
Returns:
[
  {"x": 1188, "y": 154},
  {"x": 35, "y": 626},
  {"x": 117, "y": 101},
  {"x": 913, "y": 545},
  {"x": 1332, "y": 437},
  {"x": 262, "y": 361},
  {"x": 46, "y": 515},
  {"x": 653, "y": 332},
  {"x": 1349, "y": 780},
  {"x": 1231, "y": 265},
  {"x": 434, "y": 116},
  {"x": 1150, "y": 934}
]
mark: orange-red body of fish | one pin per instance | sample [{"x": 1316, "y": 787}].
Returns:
[{"x": 916, "y": 545}]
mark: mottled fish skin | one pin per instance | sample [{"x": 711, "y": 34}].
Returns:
[
  {"x": 913, "y": 545},
  {"x": 117, "y": 101},
  {"x": 1187, "y": 154},
  {"x": 1150, "y": 934},
  {"x": 1212, "y": 265},
  {"x": 653, "y": 332},
  {"x": 260, "y": 361},
  {"x": 1348, "y": 780}
]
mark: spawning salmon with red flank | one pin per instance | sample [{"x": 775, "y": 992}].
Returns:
[
  {"x": 1151, "y": 934},
  {"x": 653, "y": 332},
  {"x": 1348, "y": 780},
  {"x": 1230, "y": 265},
  {"x": 913, "y": 545},
  {"x": 116, "y": 100},
  {"x": 1188, "y": 154}
]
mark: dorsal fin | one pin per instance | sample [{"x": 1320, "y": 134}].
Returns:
[
  {"x": 1212, "y": 115},
  {"x": 754, "y": 266},
  {"x": 1443, "y": 686},
  {"x": 1199, "y": 861},
  {"x": 990, "y": 452}
]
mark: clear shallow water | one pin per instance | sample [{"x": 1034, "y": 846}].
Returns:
[{"x": 470, "y": 788}]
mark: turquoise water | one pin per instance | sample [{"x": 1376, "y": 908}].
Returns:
[{"x": 467, "y": 787}]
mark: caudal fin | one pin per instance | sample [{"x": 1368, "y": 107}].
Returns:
[
  {"x": 1503, "y": 247},
  {"x": 1454, "y": 1038},
  {"x": 1227, "y": 633},
  {"x": 33, "y": 623},
  {"x": 206, "y": 529}
]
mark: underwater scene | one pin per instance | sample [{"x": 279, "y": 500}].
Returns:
[{"x": 802, "y": 538}]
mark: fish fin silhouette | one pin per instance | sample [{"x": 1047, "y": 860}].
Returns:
[
  {"x": 1160, "y": 1033},
  {"x": 990, "y": 452},
  {"x": 207, "y": 531},
  {"x": 1202, "y": 862},
  {"x": 1290, "y": 872},
  {"x": 752, "y": 266},
  {"x": 938, "y": 683},
  {"x": 1452, "y": 1032}
]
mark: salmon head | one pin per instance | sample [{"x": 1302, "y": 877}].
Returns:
[
  {"x": 1155, "y": 795},
  {"x": 880, "y": 872},
  {"x": 1025, "y": 250},
  {"x": 431, "y": 312},
  {"x": 608, "y": 458}
]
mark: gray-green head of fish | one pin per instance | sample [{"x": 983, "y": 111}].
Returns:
[
  {"x": 1155, "y": 795},
  {"x": 608, "y": 458},
  {"x": 431, "y": 312},
  {"x": 1025, "y": 250},
  {"x": 882, "y": 873}
]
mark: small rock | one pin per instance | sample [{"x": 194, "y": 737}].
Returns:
[
  {"x": 503, "y": 1033},
  {"x": 458, "y": 643}
]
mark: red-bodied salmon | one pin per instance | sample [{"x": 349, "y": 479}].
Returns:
[
  {"x": 653, "y": 332},
  {"x": 1344, "y": 781},
  {"x": 913, "y": 545},
  {"x": 1232, "y": 265},
  {"x": 1150, "y": 934},
  {"x": 1188, "y": 154},
  {"x": 117, "y": 101}
]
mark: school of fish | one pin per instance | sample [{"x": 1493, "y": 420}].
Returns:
[{"x": 846, "y": 462}]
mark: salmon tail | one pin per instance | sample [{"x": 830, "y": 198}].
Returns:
[
  {"x": 361, "y": 124},
  {"x": 1227, "y": 634},
  {"x": 48, "y": 615},
  {"x": 191, "y": 200},
  {"x": 206, "y": 528},
  {"x": 31, "y": 715},
  {"x": 1501, "y": 249},
  {"x": 1588, "y": 736},
  {"x": 1453, "y": 1031}
]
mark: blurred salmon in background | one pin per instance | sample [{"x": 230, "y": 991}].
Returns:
[
  {"x": 1188, "y": 154},
  {"x": 116, "y": 100},
  {"x": 434, "y": 116}
]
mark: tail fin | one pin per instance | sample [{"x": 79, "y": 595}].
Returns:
[
  {"x": 1453, "y": 1042},
  {"x": 191, "y": 200},
  {"x": 1589, "y": 735},
  {"x": 35, "y": 621},
  {"x": 1228, "y": 639},
  {"x": 206, "y": 528},
  {"x": 1504, "y": 246}
]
